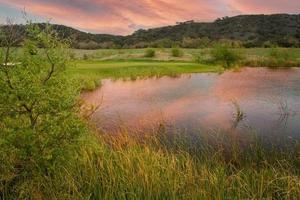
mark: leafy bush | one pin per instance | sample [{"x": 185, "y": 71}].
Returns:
[
  {"x": 176, "y": 52},
  {"x": 149, "y": 53},
  {"x": 224, "y": 55},
  {"x": 86, "y": 57},
  {"x": 89, "y": 84},
  {"x": 39, "y": 127}
]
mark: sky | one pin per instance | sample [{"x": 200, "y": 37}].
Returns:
[{"x": 123, "y": 17}]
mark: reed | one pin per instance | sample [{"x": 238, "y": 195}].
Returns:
[{"x": 216, "y": 166}]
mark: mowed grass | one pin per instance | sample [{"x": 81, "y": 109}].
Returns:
[
  {"x": 91, "y": 72},
  {"x": 133, "y": 68}
]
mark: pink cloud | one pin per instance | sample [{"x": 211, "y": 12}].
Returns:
[{"x": 266, "y": 6}]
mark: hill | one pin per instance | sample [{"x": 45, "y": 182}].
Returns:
[{"x": 244, "y": 30}]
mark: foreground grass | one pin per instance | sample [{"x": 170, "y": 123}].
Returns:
[{"x": 156, "y": 167}]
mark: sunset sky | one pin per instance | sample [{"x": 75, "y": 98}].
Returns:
[{"x": 125, "y": 16}]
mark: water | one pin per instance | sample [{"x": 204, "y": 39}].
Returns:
[{"x": 269, "y": 101}]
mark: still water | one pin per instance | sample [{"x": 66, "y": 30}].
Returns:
[{"x": 262, "y": 100}]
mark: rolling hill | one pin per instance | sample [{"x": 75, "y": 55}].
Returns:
[{"x": 244, "y": 30}]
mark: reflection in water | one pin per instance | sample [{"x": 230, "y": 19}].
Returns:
[{"x": 204, "y": 102}]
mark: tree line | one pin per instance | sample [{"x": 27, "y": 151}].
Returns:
[{"x": 279, "y": 30}]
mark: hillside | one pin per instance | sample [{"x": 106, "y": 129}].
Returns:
[
  {"x": 250, "y": 30},
  {"x": 244, "y": 30}
]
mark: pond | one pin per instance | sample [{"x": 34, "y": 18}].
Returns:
[{"x": 262, "y": 100}]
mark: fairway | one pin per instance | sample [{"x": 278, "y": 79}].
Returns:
[{"x": 134, "y": 69}]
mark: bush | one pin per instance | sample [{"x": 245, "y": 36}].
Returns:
[
  {"x": 176, "y": 52},
  {"x": 224, "y": 55},
  {"x": 86, "y": 57},
  {"x": 149, "y": 53},
  {"x": 89, "y": 84},
  {"x": 39, "y": 125}
]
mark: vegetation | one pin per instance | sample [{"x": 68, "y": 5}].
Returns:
[
  {"x": 224, "y": 55},
  {"x": 132, "y": 64},
  {"x": 176, "y": 52},
  {"x": 275, "y": 58},
  {"x": 150, "y": 53},
  {"x": 241, "y": 31},
  {"x": 39, "y": 125},
  {"x": 126, "y": 168},
  {"x": 91, "y": 72}
]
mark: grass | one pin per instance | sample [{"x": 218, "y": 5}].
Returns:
[
  {"x": 133, "y": 68},
  {"x": 89, "y": 72},
  {"x": 158, "y": 167}
]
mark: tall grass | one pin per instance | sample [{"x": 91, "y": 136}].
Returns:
[
  {"x": 274, "y": 58},
  {"x": 158, "y": 166}
]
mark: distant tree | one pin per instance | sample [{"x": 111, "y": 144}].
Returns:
[
  {"x": 225, "y": 56},
  {"x": 188, "y": 42},
  {"x": 149, "y": 53},
  {"x": 176, "y": 52}
]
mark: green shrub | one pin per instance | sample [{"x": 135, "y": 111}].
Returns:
[
  {"x": 225, "y": 56},
  {"x": 89, "y": 84},
  {"x": 86, "y": 57},
  {"x": 39, "y": 125},
  {"x": 176, "y": 52},
  {"x": 149, "y": 53}
]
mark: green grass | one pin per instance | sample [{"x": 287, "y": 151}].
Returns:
[
  {"x": 133, "y": 68},
  {"x": 153, "y": 167},
  {"x": 92, "y": 71}
]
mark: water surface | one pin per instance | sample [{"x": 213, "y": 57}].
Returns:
[{"x": 269, "y": 101}]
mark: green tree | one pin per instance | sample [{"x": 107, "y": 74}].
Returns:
[
  {"x": 225, "y": 56},
  {"x": 176, "y": 52},
  {"x": 149, "y": 53},
  {"x": 37, "y": 110}
]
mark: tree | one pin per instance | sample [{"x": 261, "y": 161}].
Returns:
[
  {"x": 37, "y": 109},
  {"x": 225, "y": 56}
]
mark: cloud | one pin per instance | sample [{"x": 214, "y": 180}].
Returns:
[
  {"x": 266, "y": 6},
  {"x": 124, "y": 17}
]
